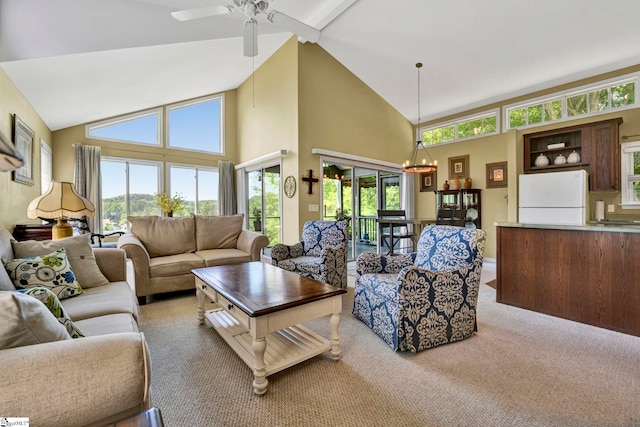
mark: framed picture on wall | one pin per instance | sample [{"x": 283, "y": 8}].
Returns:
[
  {"x": 428, "y": 181},
  {"x": 459, "y": 166},
  {"x": 497, "y": 175},
  {"x": 23, "y": 138}
]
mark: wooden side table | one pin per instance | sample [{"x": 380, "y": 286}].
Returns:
[
  {"x": 149, "y": 418},
  {"x": 23, "y": 232}
]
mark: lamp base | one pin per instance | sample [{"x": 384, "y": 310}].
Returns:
[{"x": 61, "y": 230}]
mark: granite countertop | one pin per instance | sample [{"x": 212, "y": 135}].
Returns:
[{"x": 609, "y": 226}]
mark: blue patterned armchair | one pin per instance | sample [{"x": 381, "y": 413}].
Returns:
[
  {"x": 321, "y": 255},
  {"x": 423, "y": 299}
]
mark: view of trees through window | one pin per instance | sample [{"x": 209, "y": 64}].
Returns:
[{"x": 264, "y": 202}]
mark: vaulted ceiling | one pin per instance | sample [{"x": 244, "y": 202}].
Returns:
[{"x": 82, "y": 60}]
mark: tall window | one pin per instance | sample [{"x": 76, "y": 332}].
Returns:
[
  {"x": 46, "y": 166},
  {"x": 138, "y": 128},
  {"x": 630, "y": 172},
  {"x": 196, "y": 125},
  {"x": 198, "y": 186},
  {"x": 128, "y": 189}
]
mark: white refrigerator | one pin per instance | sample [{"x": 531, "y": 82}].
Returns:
[{"x": 553, "y": 198}]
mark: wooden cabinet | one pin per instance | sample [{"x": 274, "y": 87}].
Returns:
[
  {"x": 32, "y": 232},
  {"x": 459, "y": 207},
  {"x": 596, "y": 144}
]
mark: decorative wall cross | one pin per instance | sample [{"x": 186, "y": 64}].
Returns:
[{"x": 310, "y": 179}]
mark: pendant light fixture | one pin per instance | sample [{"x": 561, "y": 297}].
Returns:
[{"x": 413, "y": 166}]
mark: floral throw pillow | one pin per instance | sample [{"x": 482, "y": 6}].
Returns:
[
  {"x": 51, "y": 271},
  {"x": 51, "y": 301}
]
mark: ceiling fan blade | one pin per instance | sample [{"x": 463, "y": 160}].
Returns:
[
  {"x": 250, "y": 37},
  {"x": 202, "y": 12},
  {"x": 288, "y": 23}
]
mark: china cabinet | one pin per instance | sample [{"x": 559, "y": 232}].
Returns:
[{"x": 458, "y": 207}]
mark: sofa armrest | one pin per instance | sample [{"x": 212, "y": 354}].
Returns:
[
  {"x": 86, "y": 381},
  {"x": 112, "y": 262},
  {"x": 370, "y": 262},
  {"x": 140, "y": 257},
  {"x": 252, "y": 242}
]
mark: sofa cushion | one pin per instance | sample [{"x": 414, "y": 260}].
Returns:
[
  {"x": 108, "y": 324},
  {"x": 81, "y": 257},
  {"x": 25, "y": 321},
  {"x": 116, "y": 297},
  {"x": 214, "y": 257},
  {"x": 6, "y": 249},
  {"x": 52, "y": 271},
  {"x": 51, "y": 301},
  {"x": 174, "y": 265},
  {"x": 6, "y": 284},
  {"x": 163, "y": 236},
  {"x": 218, "y": 232}
]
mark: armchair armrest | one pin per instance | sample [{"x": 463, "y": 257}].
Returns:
[
  {"x": 109, "y": 374},
  {"x": 280, "y": 252},
  {"x": 370, "y": 262},
  {"x": 252, "y": 242},
  {"x": 112, "y": 262}
]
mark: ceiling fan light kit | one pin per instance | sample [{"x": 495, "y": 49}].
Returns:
[{"x": 251, "y": 8}]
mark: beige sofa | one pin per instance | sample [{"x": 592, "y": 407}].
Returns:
[
  {"x": 164, "y": 250},
  {"x": 95, "y": 380}
]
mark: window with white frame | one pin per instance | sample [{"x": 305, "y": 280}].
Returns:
[
  {"x": 129, "y": 187},
  {"x": 138, "y": 128},
  {"x": 630, "y": 172},
  {"x": 591, "y": 100},
  {"x": 196, "y": 125},
  {"x": 197, "y": 185},
  {"x": 46, "y": 167},
  {"x": 463, "y": 128}
]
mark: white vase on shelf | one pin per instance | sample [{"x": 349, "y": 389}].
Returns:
[
  {"x": 560, "y": 160},
  {"x": 541, "y": 161},
  {"x": 574, "y": 157}
]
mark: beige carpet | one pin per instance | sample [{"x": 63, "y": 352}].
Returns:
[{"x": 520, "y": 369}]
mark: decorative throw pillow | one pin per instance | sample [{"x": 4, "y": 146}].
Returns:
[
  {"x": 26, "y": 321},
  {"x": 5, "y": 281},
  {"x": 53, "y": 271},
  {"x": 51, "y": 301},
  {"x": 218, "y": 232},
  {"x": 79, "y": 253}
]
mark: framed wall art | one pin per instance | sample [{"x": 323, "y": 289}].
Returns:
[
  {"x": 459, "y": 166},
  {"x": 428, "y": 181},
  {"x": 23, "y": 138},
  {"x": 497, "y": 175}
]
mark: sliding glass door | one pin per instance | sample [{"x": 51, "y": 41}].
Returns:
[
  {"x": 355, "y": 193},
  {"x": 263, "y": 202}
]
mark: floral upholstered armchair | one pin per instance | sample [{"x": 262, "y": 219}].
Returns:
[
  {"x": 320, "y": 255},
  {"x": 423, "y": 299}
]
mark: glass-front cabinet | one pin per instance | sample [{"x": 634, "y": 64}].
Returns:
[{"x": 459, "y": 207}]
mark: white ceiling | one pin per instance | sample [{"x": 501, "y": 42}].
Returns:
[{"x": 82, "y": 60}]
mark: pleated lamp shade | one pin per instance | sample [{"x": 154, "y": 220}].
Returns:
[{"x": 60, "y": 201}]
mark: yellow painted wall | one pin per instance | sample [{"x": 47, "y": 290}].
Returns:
[
  {"x": 64, "y": 159},
  {"x": 338, "y": 112},
  {"x": 15, "y": 197},
  {"x": 267, "y": 121}
]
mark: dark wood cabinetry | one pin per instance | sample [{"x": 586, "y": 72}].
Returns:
[
  {"x": 32, "y": 232},
  {"x": 585, "y": 275},
  {"x": 593, "y": 146},
  {"x": 459, "y": 207}
]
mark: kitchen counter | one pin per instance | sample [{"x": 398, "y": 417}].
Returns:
[
  {"x": 613, "y": 226},
  {"x": 587, "y": 273}
]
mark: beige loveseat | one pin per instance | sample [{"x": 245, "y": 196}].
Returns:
[
  {"x": 164, "y": 250},
  {"x": 94, "y": 380}
]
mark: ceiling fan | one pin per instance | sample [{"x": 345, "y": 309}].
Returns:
[{"x": 251, "y": 8}]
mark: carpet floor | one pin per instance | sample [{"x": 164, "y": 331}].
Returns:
[{"x": 521, "y": 369}]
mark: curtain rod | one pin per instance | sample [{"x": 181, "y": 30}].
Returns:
[{"x": 144, "y": 152}]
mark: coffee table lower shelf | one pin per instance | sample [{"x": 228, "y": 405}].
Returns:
[{"x": 285, "y": 347}]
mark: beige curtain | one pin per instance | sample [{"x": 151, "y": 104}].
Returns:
[
  {"x": 88, "y": 181},
  {"x": 226, "y": 187}
]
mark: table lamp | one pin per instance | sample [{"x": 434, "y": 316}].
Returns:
[{"x": 60, "y": 202}]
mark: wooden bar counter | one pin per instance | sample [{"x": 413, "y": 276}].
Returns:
[{"x": 589, "y": 274}]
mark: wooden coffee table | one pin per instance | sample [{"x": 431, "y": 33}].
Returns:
[{"x": 257, "y": 311}]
